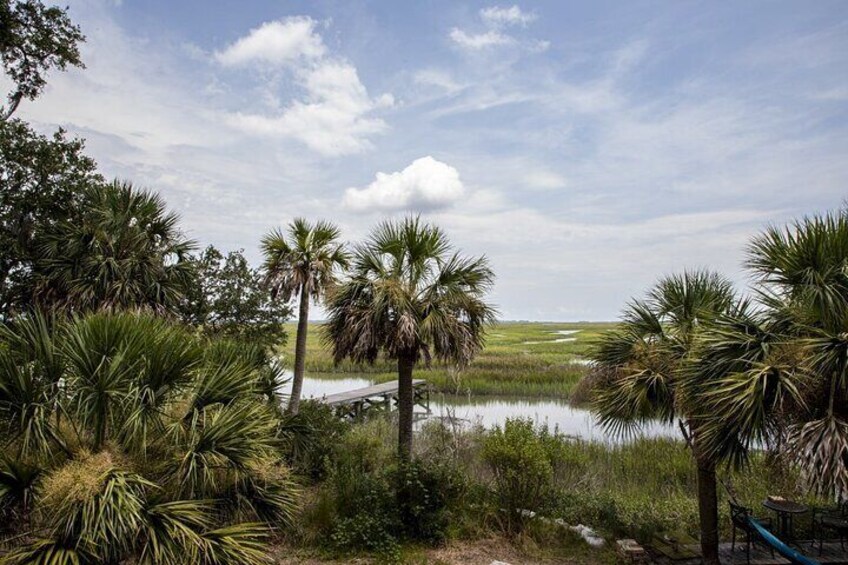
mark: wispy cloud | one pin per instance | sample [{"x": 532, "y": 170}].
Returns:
[
  {"x": 495, "y": 20},
  {"x": 498, "y": 16},
  {"x": 281, "y": 42}
]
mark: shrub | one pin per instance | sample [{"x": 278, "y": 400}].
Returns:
[
  {"x": 315, "y": 432},
  {"x": 426, "y": 494},
  {"x": 523, "y": 472},
  {"x": 152, "y": 445}
]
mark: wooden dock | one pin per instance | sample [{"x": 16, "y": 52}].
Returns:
[{"x": 354, "y": 403}]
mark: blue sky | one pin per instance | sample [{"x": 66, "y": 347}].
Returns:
[{"x": 586, "y": 148}]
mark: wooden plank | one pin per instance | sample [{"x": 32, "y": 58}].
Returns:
[{"x": 347, "y": 397}]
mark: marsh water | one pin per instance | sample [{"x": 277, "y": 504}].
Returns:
[{"x": 489, "y": 410}]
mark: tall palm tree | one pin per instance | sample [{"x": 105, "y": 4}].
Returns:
[
  {"x": 125, "y": 252},
  {"x": 778, "y": 372},
  {"x": 645, "y": 362},
  {"x": 304, "y": 262},
  {"x": 411, "y": 297}
]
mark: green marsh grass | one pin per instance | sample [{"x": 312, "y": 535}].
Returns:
[{"x": 520, "y": 358}]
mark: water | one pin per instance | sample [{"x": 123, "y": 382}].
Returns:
[{"x": 490, "y": 411}]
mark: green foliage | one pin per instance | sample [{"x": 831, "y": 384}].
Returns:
[
  {"x": 158, "y": 450},
  {"x": 373, "y": 501},
  {"x": 125, "y": 251},
  {"x": 42, "y": 181},
  {"x": 521, "y": 461},
  {"x": 777, "y": 370},
  {"x": 227, "y": 298},
  {"x": 426, "y": 494},
  {"x": 33, "y": 40},
  {"x": 312, "y": 449}
]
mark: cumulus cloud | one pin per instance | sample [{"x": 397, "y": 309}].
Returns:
[
  {"x": 499, "y": 16},
  {"x": 334, "y": 116},
  {"x": 426, "y": 184},
  {"x": 495, "y": 19},
  {"x": 281, "y": 42}
]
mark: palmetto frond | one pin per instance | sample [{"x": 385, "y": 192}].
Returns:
[
  {"x": 18, "y": 480},
  {"x": 783, "y": 368},
  {"x": 220, "y": 441},
  {"x": 805, "y": 264},
  {"x": 31, "y": 368},
  {"x": 125, "y": 253},
  {"x": 305, "y": 258},
  {"x": 408, "y": 292},
  {"x": 644, "y": 361},
  {"x": 172, "y": 531},
  {"x": 239, "y": 544}
]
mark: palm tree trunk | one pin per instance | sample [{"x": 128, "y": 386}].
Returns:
[
  {"x": 406, "y": 403},
  {"x": 707, "y": 500},
  {"x": 299, "y": 353}
]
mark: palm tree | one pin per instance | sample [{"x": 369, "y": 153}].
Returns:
[
  {"x": 126, "y": 251},
  {"x": 303, "y": 262},
  {"x": 645, "y": 364},
  {"x": 410, "y": 297},
  {"x": 143, "y": 442},
  {"x": 777, "y": 372}
]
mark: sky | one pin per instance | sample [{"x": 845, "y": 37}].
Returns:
[{"x": 586, "y": 148}]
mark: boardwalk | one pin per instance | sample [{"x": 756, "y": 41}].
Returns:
[{"x": 354, "y": 403}]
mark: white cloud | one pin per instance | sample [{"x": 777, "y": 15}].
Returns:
[
  {"x": 495, "y": 19},
  {"x": 499, "y": 16},
  {"x": 480, "y": 40},
  {"x": 333, "y": 118},
  {"x": 426, "y": 184},
  {"x": 281, "y": 42}
]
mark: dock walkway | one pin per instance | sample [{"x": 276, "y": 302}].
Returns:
[{"x": 353, "y": 403}]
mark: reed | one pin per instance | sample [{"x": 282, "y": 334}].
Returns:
[{"x": 521, "y": 358}]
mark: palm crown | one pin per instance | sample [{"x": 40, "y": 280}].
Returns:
[
  {"x": 408, "y": 295},
  {"x": 126, "y": 252},
  {"x": 778, "y": 370},
  {"x": 645, "y": 357},
  {"x": 304, "y": 259}
]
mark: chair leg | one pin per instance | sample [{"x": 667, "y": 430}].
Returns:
[
  {"x": 733, "y": 542},
  {"x": 748, "y": 547}
]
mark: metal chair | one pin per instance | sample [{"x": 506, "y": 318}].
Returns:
[
  {"x": 739, "y": 518},
  {"x": 831, "y": 519}
]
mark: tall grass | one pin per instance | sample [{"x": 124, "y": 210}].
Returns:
[
  {"x": 636, "y": 489},
  {"x": 508, "y": 365}
]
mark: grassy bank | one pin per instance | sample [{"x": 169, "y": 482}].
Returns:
[
  {"x": 522, "y": 358},
  {"x": 467, "y": 479}
]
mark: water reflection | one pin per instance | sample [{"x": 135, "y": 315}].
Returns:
[{"x": 492, "y": 410}]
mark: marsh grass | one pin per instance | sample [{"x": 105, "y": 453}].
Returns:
[
  {"x": 508, "y": 365},
  {"x": 636, "y": 489}
]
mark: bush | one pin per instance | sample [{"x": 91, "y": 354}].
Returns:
[
  {"x": 426, "y": 494},
  {"x": 369, "y": 519},
  {"x": 315, "y": 433},
  {"x": 372, "y": 502},
  {"x": 520, "y": 458}
]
